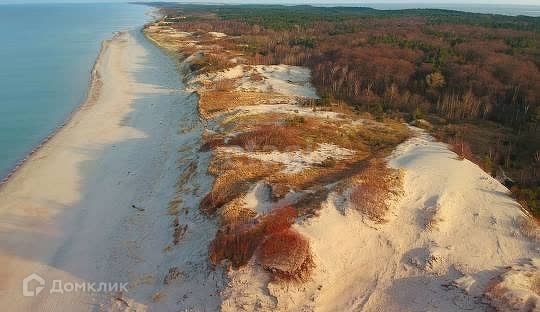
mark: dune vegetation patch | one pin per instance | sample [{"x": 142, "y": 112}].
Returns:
[
  {"x": 286, "y": 254},
  {"x": 373, "y": 187},
  {"x": 214, "y": 102},
  {"x": 234, "y": 176},
  {"x": 282, "y": 251},
  {"x": 269, "y": 138}
]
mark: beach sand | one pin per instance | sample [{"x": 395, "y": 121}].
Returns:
[{"x": 79, "y": 209}]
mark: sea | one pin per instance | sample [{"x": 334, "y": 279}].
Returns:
[{"x": 47, "y": 52}]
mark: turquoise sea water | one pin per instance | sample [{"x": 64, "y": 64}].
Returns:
[{"x": 46, "y": 56}]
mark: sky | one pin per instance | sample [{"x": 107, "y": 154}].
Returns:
[{"x": 357, "y": 2}]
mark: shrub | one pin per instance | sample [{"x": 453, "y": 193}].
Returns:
[
  {"x": 236, "y": 244},
  {"x": 529, "y": 198},
  {"x": 528, "y": 227},
  {"x": 279, "y": 219},
  {"x": 269, "y": 137},
  {"x": 286, "y": 255}
]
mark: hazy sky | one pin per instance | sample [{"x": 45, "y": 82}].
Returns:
[{"x": 514, "y": 2}]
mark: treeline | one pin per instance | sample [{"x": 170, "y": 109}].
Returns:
[{"x": 461, "y": 67}]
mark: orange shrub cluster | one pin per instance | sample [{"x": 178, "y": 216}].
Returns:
[
  {"x": 237, "y": 244},
  {"x": 282, "y": 251},
  {"x": 286, "y": 255}
]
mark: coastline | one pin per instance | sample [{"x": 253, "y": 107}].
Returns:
[
  {"x": 48, "y": 226},
  {"x": 93, "y": 203},
  {"x": 94, "y": 86}
]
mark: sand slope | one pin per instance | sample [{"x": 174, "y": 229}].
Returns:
[{"x": 454, "y": 221}]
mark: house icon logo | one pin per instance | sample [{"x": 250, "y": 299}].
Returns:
[{"x": 32, "y": 285}]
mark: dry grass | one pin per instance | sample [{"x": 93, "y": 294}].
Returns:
[
  {"x": 235, "y": 213},
  {"x": 235, "y": 175},
  {"x": 368, "y": 137},
  {"x": 245, "y": 122},
  {"x": 535, "y": 287},
  {"x": 372, "y": 189},
  {"x": 432, "y": 218},
  {"x": 363, "y": 138},
  {"x": 176, "y": 203},
  {"x": 213, "y": 102},
  {"x": 282, "y": 251},
  {"x": 211, "y": 142},
  {"x": 224, "y": 84},
  {"x": 312, "y": 177},
  {"x": 269, "y": 138}
]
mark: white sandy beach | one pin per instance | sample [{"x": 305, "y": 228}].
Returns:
[{"x": 67, "y": 213}]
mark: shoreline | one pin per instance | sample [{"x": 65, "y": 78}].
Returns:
[
  {"x": 92, "y": 93},
  {"x": 75, "y": 193}
]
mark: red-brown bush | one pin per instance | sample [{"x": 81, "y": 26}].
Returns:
[
  {"x": 279, "y": 219},
  {"x": 282, "y": 251},
  {"x": 286, "y": 255},
  {"x": 237, "y": 244}
]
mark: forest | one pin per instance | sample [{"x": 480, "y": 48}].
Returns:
[{"x": 474, "y": 78}]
